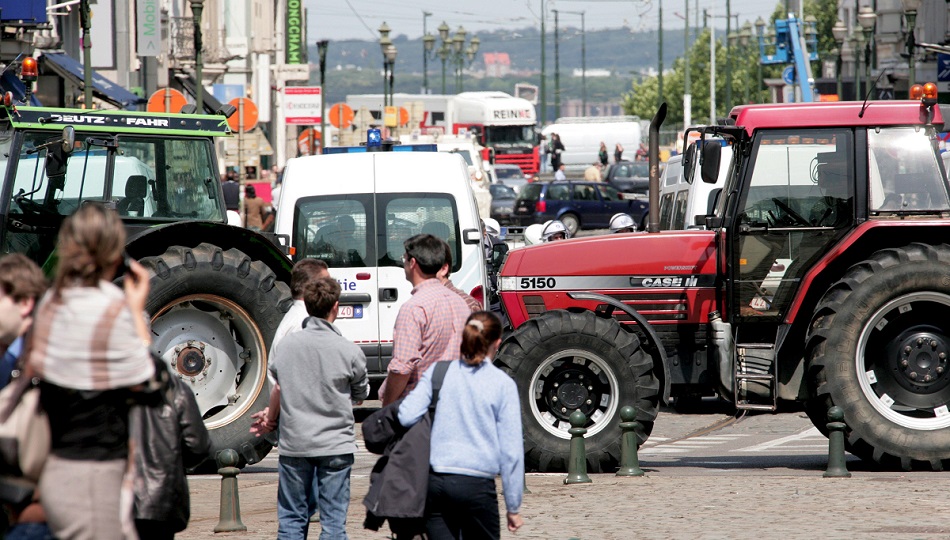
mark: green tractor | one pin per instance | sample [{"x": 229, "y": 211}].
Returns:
[{"x": 218, "y": 292}]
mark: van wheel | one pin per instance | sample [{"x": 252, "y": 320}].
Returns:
[
  {"x": 571, "y": 222},
  {"x": 565, "y": 361},
  {"x": 878, "y": 346},
  {"x": 214, "y": 315}
]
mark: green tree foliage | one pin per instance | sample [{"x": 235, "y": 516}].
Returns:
[{"x": 641, "y": 100}]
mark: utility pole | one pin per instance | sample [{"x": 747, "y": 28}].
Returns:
[
  {"x": 85, "y": 19},
  {"x": 728, "y": 56},
  {"x": 687, "y": 96},
  {"x": 557, "y": 69},
  {"x": 712, "y": 67},
  {"x": 425, "y": 54},
  {"x": 659, "y": 59},
  {"x": 544, "y": 104}
]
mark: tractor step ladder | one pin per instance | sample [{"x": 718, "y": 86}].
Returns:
[{"x": 754, "y": 376}]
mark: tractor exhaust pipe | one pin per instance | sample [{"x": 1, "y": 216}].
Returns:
[{"x": 653, "y": 218}]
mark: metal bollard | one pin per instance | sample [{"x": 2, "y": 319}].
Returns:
[
  {"x": 577, "y": 462},
  {"x": 837, "y": 466},
  {"x": 230, "y": 514},
  {"x": 629, "y": 462}
]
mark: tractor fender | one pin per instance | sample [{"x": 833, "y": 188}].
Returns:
[
  {"x": 654, "y": 347},
  {"x": 153, "y": 241}
]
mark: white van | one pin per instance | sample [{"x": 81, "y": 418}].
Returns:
[
  {"x": 354, "y": 210},
  {"x": 681, "y": 202},
  {"x": 582, "y": 136}
]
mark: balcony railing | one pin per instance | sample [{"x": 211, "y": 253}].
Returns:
[{"x": 183, "y": 43}]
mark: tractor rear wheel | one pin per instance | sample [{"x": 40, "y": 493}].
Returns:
[
  {"x": 564, "y": 361},
  {"x": 214, "y": 315},
  {"x": 878, "y": 347}
]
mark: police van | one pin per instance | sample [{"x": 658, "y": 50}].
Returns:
[{"x": 353, "y": 207}]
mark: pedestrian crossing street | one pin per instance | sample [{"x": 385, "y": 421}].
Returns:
[{"x": 808, "y": 441}]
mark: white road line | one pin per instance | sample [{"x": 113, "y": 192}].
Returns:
[{"x": 809, "y": 433}]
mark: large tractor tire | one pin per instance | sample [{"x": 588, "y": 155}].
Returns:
[
  {"x": 214, "y": 315},
  {"x": 564, "y": 361},
  {"x": 878, "y": 347}
]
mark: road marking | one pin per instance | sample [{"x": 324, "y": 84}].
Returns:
[{"x": 810, "y": 433}]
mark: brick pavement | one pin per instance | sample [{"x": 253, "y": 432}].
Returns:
[{"x": 703, "y": 505}]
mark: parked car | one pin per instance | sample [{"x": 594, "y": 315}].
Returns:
[
  {"x": 502, "y": 202},
  {"x": 629, "y": 177},
  {"x": 579, "y": 205},
  {"x": 510, "y": 175}
]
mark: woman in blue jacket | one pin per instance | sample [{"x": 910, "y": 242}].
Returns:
[{"x": 476, "y": 435}]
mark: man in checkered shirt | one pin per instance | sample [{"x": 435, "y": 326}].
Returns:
[{"x": 429, "y": 325}]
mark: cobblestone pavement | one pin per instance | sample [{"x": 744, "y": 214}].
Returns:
[{"x": 672, "y": 501}]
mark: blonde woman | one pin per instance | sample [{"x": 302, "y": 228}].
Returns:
[
  {"x": 90, "y": 349},
  {"x": 476, "y": 435}
]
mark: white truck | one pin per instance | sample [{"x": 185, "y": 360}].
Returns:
[
  {"x": 504, "y": 125},
  {"x": 582, "y": 136}
]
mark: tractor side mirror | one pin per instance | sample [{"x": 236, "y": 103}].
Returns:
[{"x": 709, "y": 167}]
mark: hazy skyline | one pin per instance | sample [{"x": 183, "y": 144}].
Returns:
[{"x": 359, "y": 19}]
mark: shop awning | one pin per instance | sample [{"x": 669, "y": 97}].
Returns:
[
  {"x": 10, "y": 83},
  {"x": 102, "y": 88},
  {"x": 208, "y": 101}
]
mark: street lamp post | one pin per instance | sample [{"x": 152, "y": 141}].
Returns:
[
  {"x": 759, "y": 32},
  {"x": 583, "y": 63},
  {"x": 866, "y": 18},
  {"x": 428, "y": 42},
  {"x": 384, "y": 44},
  {"x": 858, "y": 39},
  {"x": 745, "y": 35},
  {"x": 322, "y": 47},
  {"x": 196, "y": 9},
  {"x": 839, "y": 31},
  {"x": 85, "y": 20},
  {"x": 443, "y": 51},
  {"x": 732, "y": 39},
  {"x": 391, "y": 60},
  {"x": 542, "y": 95},
  {"x": 910, "y": 14}
]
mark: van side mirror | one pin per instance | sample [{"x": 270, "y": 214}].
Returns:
[
  {"x": 709, "y": 167},
  {"x": 472, "y": 236},
  {"x": 689, "y": 158}
]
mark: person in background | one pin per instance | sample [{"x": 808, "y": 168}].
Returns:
[
  {"x": 21, "y": 286},
  {"x": 618, "y": 153},
  {"x": 622, "y": 223},
  {"x": 256, "y": 209},
  {"x": 90, "y": 349},
  {"x": 476, "y": 435},
  {"x": 643, "y": 153},
  {"x": 429, "y": 325},
  {"x": 320, "y": 375},
  {"x": 602, "y": 154},
  {"x": 535, "y": 178},
  {"x": 555, "y": 149},
  {"x": 232, "y": 191},
  {"x": 594, "y": 173},
  {"x": 559, "y": 174}
]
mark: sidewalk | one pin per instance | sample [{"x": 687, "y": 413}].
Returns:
[{"x": 709, "y": 504}]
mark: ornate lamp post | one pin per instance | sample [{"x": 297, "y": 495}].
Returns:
[
  {"x": 196, "y": 9},
  {"x": 866, "y": 18},
  {"x": 910, "y": 15},
  {"x": 444, "y": 50},
  {"x": 384, "y": 43},
  {"x": 839, "y": 31},
  {"x": 391, "y": 61},
  {"x": 428, "y": 49},
  {"x": 322, "y": 47}
]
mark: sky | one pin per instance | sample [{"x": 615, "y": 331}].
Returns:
[{"x": 359, "y": 19}]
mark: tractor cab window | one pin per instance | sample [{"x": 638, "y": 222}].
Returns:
[
  {"x": 798, "y": 198},
  {"x": 165, "y": 179},
  {"x": 904, "y": 173}
]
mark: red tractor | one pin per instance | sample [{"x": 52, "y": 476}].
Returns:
[{"x": 822, "y": 276}]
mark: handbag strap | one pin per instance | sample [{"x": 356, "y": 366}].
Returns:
[{"x": 438, "y": 375}]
